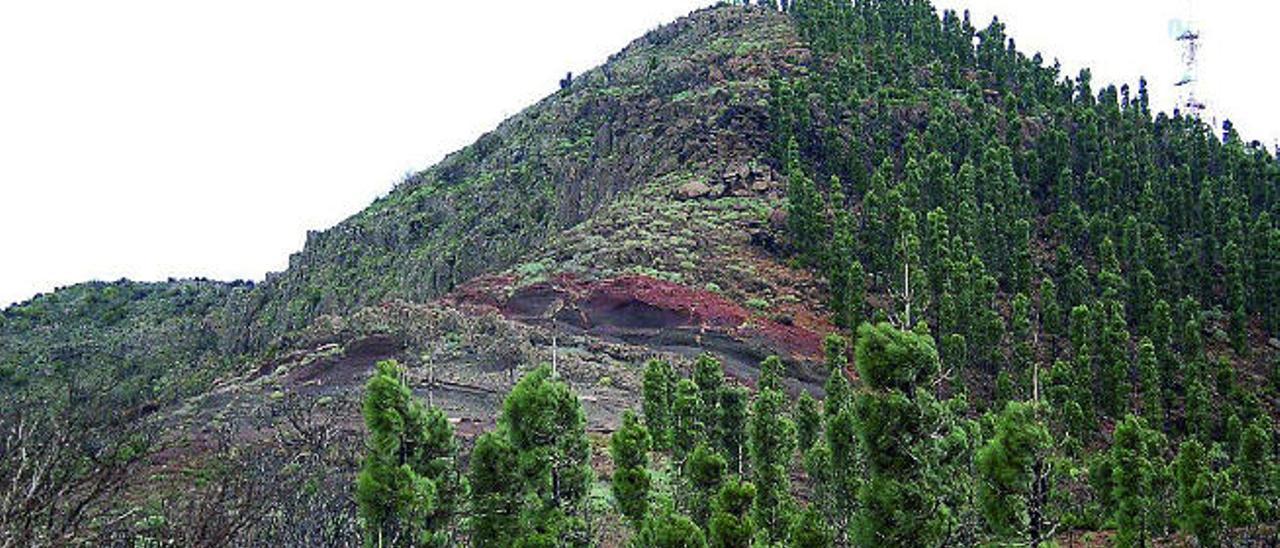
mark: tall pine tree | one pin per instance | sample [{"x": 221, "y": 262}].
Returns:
[
  {"x": 408, "y": 485},
  {"x": 772, "y": 441},
  {"x": 893, "y": 430},
  {"x": 629, "y": 448}
]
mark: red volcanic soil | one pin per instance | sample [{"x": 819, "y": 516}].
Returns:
[
  {"x": 642, "y": 301},
  {"x": 635, "y": 302},
  {"x": 489, "y": 291}
]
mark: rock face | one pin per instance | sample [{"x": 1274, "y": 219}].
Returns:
[
  {"x": 739, "y": 179},
  {"x": 748, "y": 178}
]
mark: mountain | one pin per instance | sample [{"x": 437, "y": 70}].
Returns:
[{"x": 1049, "y": 272}]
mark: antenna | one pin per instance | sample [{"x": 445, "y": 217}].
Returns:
[{"x": 1187, "y": 34}]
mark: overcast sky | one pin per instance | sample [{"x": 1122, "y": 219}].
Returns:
[{"x": 150, "y": 139}]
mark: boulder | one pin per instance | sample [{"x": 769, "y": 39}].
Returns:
[
  {"x": 738, "y": 172},
  {"x": 693, "y": 190}
]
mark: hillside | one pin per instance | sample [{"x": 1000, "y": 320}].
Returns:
[
  {"x": 684, "y": 103},
  {"x": 1012, "y": 294}
]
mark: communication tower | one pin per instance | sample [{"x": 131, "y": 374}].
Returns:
[{"x": 1187, "y": 34}]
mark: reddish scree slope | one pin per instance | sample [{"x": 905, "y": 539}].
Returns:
[{"x": 635, "y": 302}]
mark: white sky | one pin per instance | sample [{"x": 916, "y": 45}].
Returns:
[{"x": 149, "y": 139}]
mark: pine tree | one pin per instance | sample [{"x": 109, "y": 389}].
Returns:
[
  {"x": 1076, "y": 288},
  {"x": 731, "y": 428},
  {"x": 1233, "y": 430},
  {"x": 1114, "y": 356},
  {"x": 1143, "y": 299},
  {"x": 1197, "y": 402},
  {"x": 545, "y": 423},
  {"x": 896, "y": 506},
  {"x": 855, "y": 294},
  {"x": 1135, "y": 470},
  {"x": 666, "y": 528},
  {"x": 1013, "y": 489},
  {"x": 1004, "y": 392},
  {"x": 954, "y": 349},
  {"x": 731, "y": 522},
  {"x": 817, "y": 464},
  {"x": 659, "y": 395},
  {"x": 629, "y": 447},
  {"x": 440, "y": 453},
  {"x": 843, "y": 473},
  {"x": 1110, "y": 278},
  {"x": 1162, "y": 338},
  {"x": 809, "y": 530},
  {"x": 879, "y": 208},
  {"x": 1268, "y": 282},
  {"x": 846, "y": 291},
  {"x": 988, "y": 327},
  {"x": 964, "y": 196},
  {"x": 1081, "y": 319},
  {"x": 935, "y": 252},
  {"x": 1254, "y": 471},
  {"x": 909, "y": 287},
  {"x": 708, "y": 375},
  {"x": 704, "y": 472},
  {"x": 838, "y": 458},
  {"x": 408, "y": 485},
  {"x": 1023, "y": 358},
  {"x": 839, "y": 394},
  {"x": 804, "y": 213},
  {"x": 1224, "y": 379},
  {"x": 1023, "y": 270},
  {"x": 496, "y": 491},
  {"x": 835, "y": 350},
  {"x": 1233, "y": 257},
  {"x": 1197, "y": 493},
  {"x": 808, "y": 422},
  {"x": 1150, "y": 385},
  {"x": 771, "y": 443},
  {"x": 1050, "y": 314},
  {"x": 950, "y": 472},
  {"x": 686, "y": 412},
  {"x": 1189, "y": 338}
]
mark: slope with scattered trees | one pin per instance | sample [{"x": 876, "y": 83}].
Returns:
[{"x": 1044, "y": 314}]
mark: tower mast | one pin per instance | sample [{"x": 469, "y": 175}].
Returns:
[{"x": 1188, "y": 39}]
